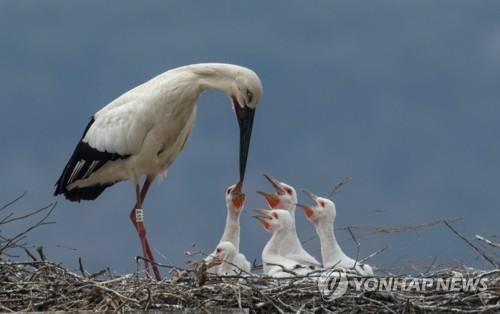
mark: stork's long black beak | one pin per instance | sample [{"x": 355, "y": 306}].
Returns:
[{"x": 245, "y": 120}]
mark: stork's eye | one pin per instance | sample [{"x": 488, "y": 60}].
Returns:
[
  {"x": 218, "y": 250},
  {"x": 228, "y": 191},
  {"x": 249, "y": 96},
  {"x": 275, "y": 215},
  {"x": 289, "y": 191},
  {"x": 322, "y": 204}
]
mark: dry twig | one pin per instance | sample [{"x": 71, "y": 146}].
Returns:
[
  {"x": 486, "y": 258},
  {"x": 340, "y": 183},
  {"x": 489, "y": 242},
  {"x": 9, "y": 242},
  {"x": 45, "y": 286}
]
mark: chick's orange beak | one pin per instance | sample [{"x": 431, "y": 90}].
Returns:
[
  {"x": 263, "y": 217},
  {"x": 237, "y": 196},
  {"x": 307, "y": 210},
  {"x": 274, "y": 182},
  {"x": 215, "y": 261},
  {"x": 264, "y": 222},
  {"x": 272, "y": 199},
  {"x": 238, "y": 200}
]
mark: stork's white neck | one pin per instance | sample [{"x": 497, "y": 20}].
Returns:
[
  {"x": 291, "y": 210},
  {"x": 291, "y": 237},
  {"x": 277, "y": 241},
  {"x": 232, "y": 229},
  {"x": 217, "y": 76},
  {"x": 331, "y": 252}
]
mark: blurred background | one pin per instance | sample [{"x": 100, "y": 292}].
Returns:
[{"x": 401, "y": 96}]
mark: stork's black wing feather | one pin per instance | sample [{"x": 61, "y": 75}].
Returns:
[{"x": 84, "y": 161}]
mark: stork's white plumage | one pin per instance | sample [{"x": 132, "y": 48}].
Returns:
[
  {"x": 322, "y": 216},
  {"x": 275, "y": 262},
  {"x": 235, "y": 200},
  {"x": 141, "y": 132},
  {"x": 285, "y": 197},
  {"x": 230, "y": 261}
]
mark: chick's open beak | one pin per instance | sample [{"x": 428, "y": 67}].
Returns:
[
  {"x": 274, "y": 182},
  {"x": 237, "y": 196},
  {"x": 311, "y": 195},
  {"x": 212, "y": 261},
  {"x": 264, "y": 213},
  {"x": 263, "y": 217},
  {"x": 307, "y": 210},
  {"x": 238, "y": 201},
  {"x": 272, "y": 200}
]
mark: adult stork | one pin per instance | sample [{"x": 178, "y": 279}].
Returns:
[{"x": 140, "y": 133}]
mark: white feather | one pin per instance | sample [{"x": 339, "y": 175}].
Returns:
[{"x": 151, "y": 123}]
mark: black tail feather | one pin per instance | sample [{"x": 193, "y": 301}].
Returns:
[
  {"x": 84, "y": 161},
  {"x": 88, "y": 193}
]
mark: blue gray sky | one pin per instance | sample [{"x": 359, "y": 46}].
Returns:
[{"x": 402, "y": 96}]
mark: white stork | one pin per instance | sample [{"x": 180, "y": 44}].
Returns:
[
  {"x": 275, "y": 257},
  {"x": 285, "y": 198},
  {"x": 141, "y": 133},
  {"x": 229, "y": 261},
  {"x": 322, "y": 214},
  {"x": 235, "y": 200}
]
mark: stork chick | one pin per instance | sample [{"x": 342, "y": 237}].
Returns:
[
  {"x": 322, "y": 215},
  {"x": 235, "y": 200},
  {"x": 275, "y": 262},
  {"x": 229, "y": 261},
  {"x": 285, "y": 197}
]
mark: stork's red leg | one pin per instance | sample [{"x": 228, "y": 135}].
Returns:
[
  {"x": 144, "y": 191},
  {"x": 133, "y": 218},
  {"x": 138, "y": 222}
]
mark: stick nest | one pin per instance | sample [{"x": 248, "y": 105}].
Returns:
[{"x": 45, "y": 286}]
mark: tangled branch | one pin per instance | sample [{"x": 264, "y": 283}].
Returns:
[
  {"x": 45, "y": 286},
  {"x": 16, "y": 241}
]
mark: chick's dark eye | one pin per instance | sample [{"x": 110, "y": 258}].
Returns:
[
  {"x": 289, "y": 191},
  {"x": 249, "y": 96},
  {"x": 322, "y": 204},
  {"x": 228, "y": 191}
]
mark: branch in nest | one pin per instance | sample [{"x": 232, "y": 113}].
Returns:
[
  {"x": 45, "y": 286},
  {"x": 11, "y": 242},
  {"x": 471, "y": 245},
  {"x": 491, "y": 243},
  {"x": 12, "y": 202},
  {"x": 400, "y": 228},
  {"x": 340, "y": 183}
]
